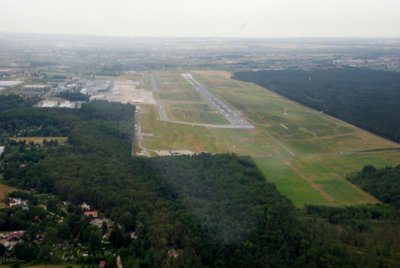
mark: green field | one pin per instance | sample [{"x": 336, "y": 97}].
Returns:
[{"x": 307, "y": 154}]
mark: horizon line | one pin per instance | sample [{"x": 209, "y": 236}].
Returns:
[{"x": 199, "y": 36}]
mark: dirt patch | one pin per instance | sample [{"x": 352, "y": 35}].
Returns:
[
  {"x": 127, "y": 92},
  {"x": 174, "y": 152}
]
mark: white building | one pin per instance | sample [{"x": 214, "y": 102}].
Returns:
[
  {"x": 85, "y": 206},
  {"x": 17, "y": 202},
  {"x": 36, "y": 87},
  {"x": 9, "y": 83}
]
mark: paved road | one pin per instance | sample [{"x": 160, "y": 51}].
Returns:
[
  {"x": 232, "y": 116},
  {"x": 235, "y": 120},
  {"x": 153, "y": 82},
  {"x": 137, "y": 138},
  {"x": 137, "y": 134}
]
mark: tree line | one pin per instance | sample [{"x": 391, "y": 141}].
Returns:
[{"x": 383, "y": 183}]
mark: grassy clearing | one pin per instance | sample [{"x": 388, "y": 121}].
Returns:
[
  {"x": 308, "y": 160},
  {"x": 4, "y": 190},
  {"x": 39, "y": 140}
]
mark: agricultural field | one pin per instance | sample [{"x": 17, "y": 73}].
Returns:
[
  {"x": 307, "y": 154},
  {"x": 39, "y": 140}
]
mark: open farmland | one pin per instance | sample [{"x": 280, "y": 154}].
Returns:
[{"x": 307, "y": 154}]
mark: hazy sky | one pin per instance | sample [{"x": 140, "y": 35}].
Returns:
[{"x": 219, "y": 18}]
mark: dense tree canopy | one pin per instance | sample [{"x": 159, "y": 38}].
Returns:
[{"x": 384, "y": 183}]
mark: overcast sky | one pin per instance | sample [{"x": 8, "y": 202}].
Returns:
[{"x": 217, "y": 18}]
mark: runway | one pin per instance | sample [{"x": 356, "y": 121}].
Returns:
[
  {"x": 232, "y": 116},
  {"x": 236, "y": 121}
]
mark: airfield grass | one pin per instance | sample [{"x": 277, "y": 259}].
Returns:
[
  {"x": 183, "y": 102},
  {"x": 178, "y": 95},
  {"x": 39, "y": 140},
  {"x": 172, "y": 86},
  {"x": 194, "y": 113},
  {"x": 331, "y": 183},
  {"x": 349, "y": 163},
  {"x": 160, "y": 135},
  {"x": 290, "y": 183},
  {"x": 307, "y": 154}
]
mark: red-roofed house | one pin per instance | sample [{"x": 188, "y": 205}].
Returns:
[
  {"x": 93, "y": 214},
  {"x": 10, "y": 239},
  {"x": 14, "y": 236}
]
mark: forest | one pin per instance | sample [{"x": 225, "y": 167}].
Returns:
[
  {"x": 366, "y": 98},
  {"x": 177, "y": 211},
  {"x": 383, "y": 183}
]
